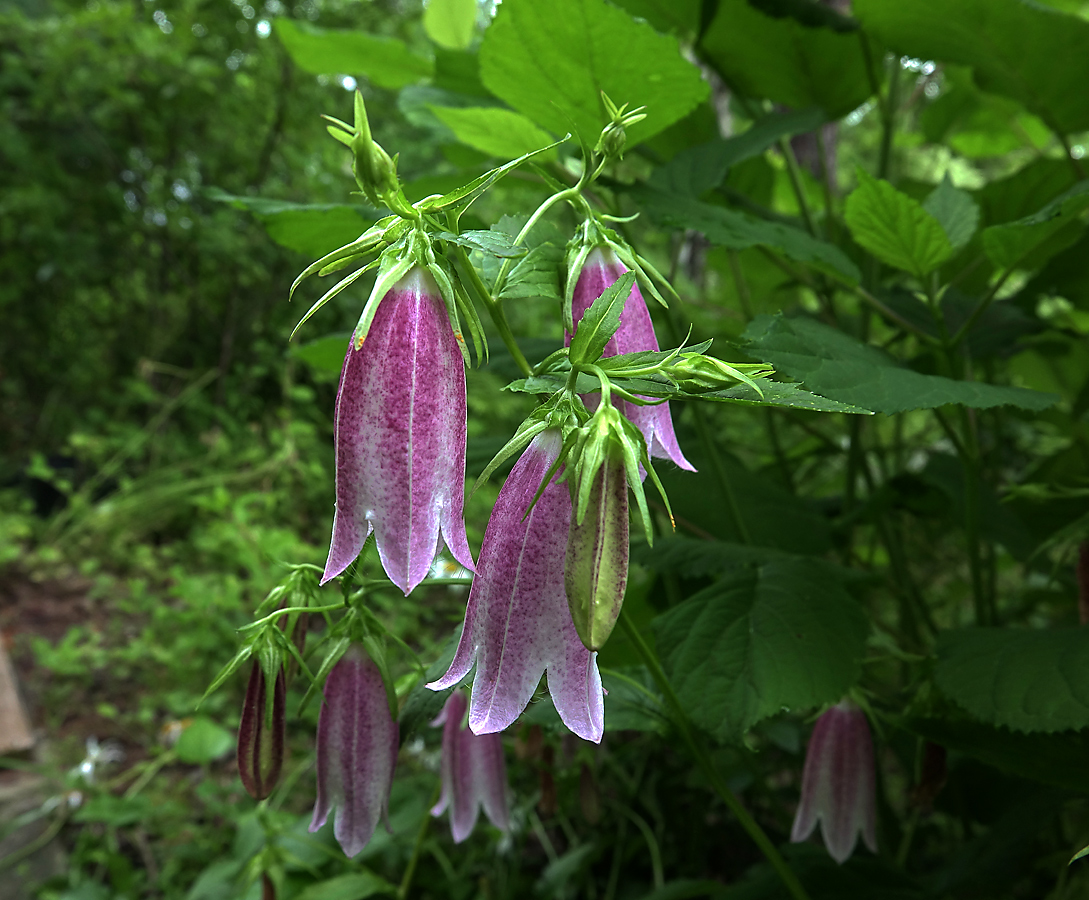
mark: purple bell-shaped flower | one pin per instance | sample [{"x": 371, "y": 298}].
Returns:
[
  {"x": 838, "y": 783},
  {"x": 357, "y": 752},
  {"x": 400, "y": 438},
  {"x": 636, "y": 333},
  {"x": 517, "y": 623},
  {"x": 474, "y": 774}
]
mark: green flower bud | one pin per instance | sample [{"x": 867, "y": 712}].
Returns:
[{"x": 596, "y": 567}]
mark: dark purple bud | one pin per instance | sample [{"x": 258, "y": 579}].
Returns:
[{"x": 261, "y": 737}]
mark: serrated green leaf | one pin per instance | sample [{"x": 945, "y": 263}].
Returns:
[
  {"x": 450, "y": 23},
  {"x": 784, "y": 634},
  {"x": 895, "y": 228},
  {"x": 494, "y": 243},
  {"x": 551, "y": 61},
  {"x": 1011, "y": 245},
  {"x": 838, "y": 366},
  {"x": 386, "y": 61},
  {"x": 783, "y": 60},
  {"x": 1025, "y": 679},
  {"x": 536, "y": 275},
  {"x": 494, "y": 130},
  {"x": 600, "y": 321},
  {"x": 955, "y": 211},
  {"x": 738, "y": 231},
  {"x": 698, "y": 169},
  {"x": 1013, "y": 47}
]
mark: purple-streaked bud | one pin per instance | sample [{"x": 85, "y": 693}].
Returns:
[
  {"x": 473, "y": 773},
  {"x": 636, "y": 333},
  {"x": 596, "y": 568},
  {"x": 261, "y": 739},
  {"x": 357, "y": 752},
  {"x": 517, "y": 623},
  {"x": 400, "y": 438},
  {"x": 838, "y": 783}
]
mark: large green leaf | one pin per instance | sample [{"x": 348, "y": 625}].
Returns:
[
  {"x": 1026, "y": 679},
  {"x": 1022, "y": 50},
  {"x": 955, "y": 211},
  {"x": 494, "y": 130},
  {"x": 1057, "y": 759},
  {"x": 838, "y": 366},
  {"x": 700, "y": 168},
  {"x": 450, "y": 23},
  {"x": 782, "y": 635},
  {"x": 353, "y": 886},
  {"x": 310, "y": 229},
  {"x": 895, "y": 228},
  {"x": 385, "y": 61},
  {"x": 552, "y": 60},
  {"x": 785, "y": 61},
  {"x": 1055, "y": 227},
  {"x": 739, "y": 231}
]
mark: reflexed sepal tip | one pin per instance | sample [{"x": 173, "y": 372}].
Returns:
[
  {"x": 261, "y": 735},
  {"x": 838, "y": 783},
  {"x": 474, "y": 774},
  {"x": 356, "y": 752}
]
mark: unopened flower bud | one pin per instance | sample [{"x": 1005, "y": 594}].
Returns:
[
  {"x": 596, "y": 568},
  {"x": 260, "y": 736},
  {"x": 612, "y": 141}
]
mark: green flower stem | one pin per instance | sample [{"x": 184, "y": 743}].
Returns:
[
  {"x": 417, "y": 846},
  {"x": 566, "y": 194},
  {"x": 273, "y": 616},
  {"x": 703, "y": 760},
  {"x": 495, "y": 310},
  {"x": 796, "y": 183}
]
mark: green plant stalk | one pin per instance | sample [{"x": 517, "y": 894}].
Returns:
[
  {"x": 417, "y": 846},
  {"x": 703, "y": 760},
  {"x": 495, "y": 310},
  {"x": 796, "y": 183}
]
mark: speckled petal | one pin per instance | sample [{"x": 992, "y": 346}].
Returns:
[
  {"x": 838, "y": 787},
  {"x": 400, "y": 439},
  {"x": 517, "y": 623},
  {"x": 636, "y": 333},
  {"x": 474, "y": 773},
  {"x": 356, "y": 751}
]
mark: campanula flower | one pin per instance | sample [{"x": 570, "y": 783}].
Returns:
[
  {"x": 400, "y": 437},
  {"x": 260, "y": 735},
  {"x": 474, "y": 774},
  {"x": 838, "y": 783},
  {"x": 517, "y": 623},
  {"x": 635, "y": 334},
  {"x": 357, "y": 752}
]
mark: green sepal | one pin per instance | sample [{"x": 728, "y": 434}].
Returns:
[
  {"x": 331, "y": 293},
  {"x": 600, "y": 322}
]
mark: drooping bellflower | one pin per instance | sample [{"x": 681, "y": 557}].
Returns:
[
  {"x": 635, "y": 334},
  {"x": 838, "y": 787},
  {"x": 474, "y": 774},
  {"x": 517, "y": 623},
  {"x": 400, "y": 438},
  {"x": 357, "y": 752}
]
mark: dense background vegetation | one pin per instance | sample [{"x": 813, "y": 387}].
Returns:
[{"x": 164, "y": 452}]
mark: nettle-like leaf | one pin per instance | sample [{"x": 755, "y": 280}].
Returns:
[
  {"x": 1028, "y": 680},
  {"x": 493, "y": 130},
  {"x": 451, "y": 23},
  {"x": 1026, "y": 51},
  {"x": 698, "y": 169},
  {"x": 895, "y": 228},
  {"x": 739, "y": 231},
  {"x": 385, "y": 61},
  {"x": 783, "y": 60},
  {"x": 1028, "y": 242},
  {"x": 551, "y": 61},
  {"x": 842, "y": 368},
  {"x": 955, "y": 211},
  {"x": 781, "y": 635}
]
